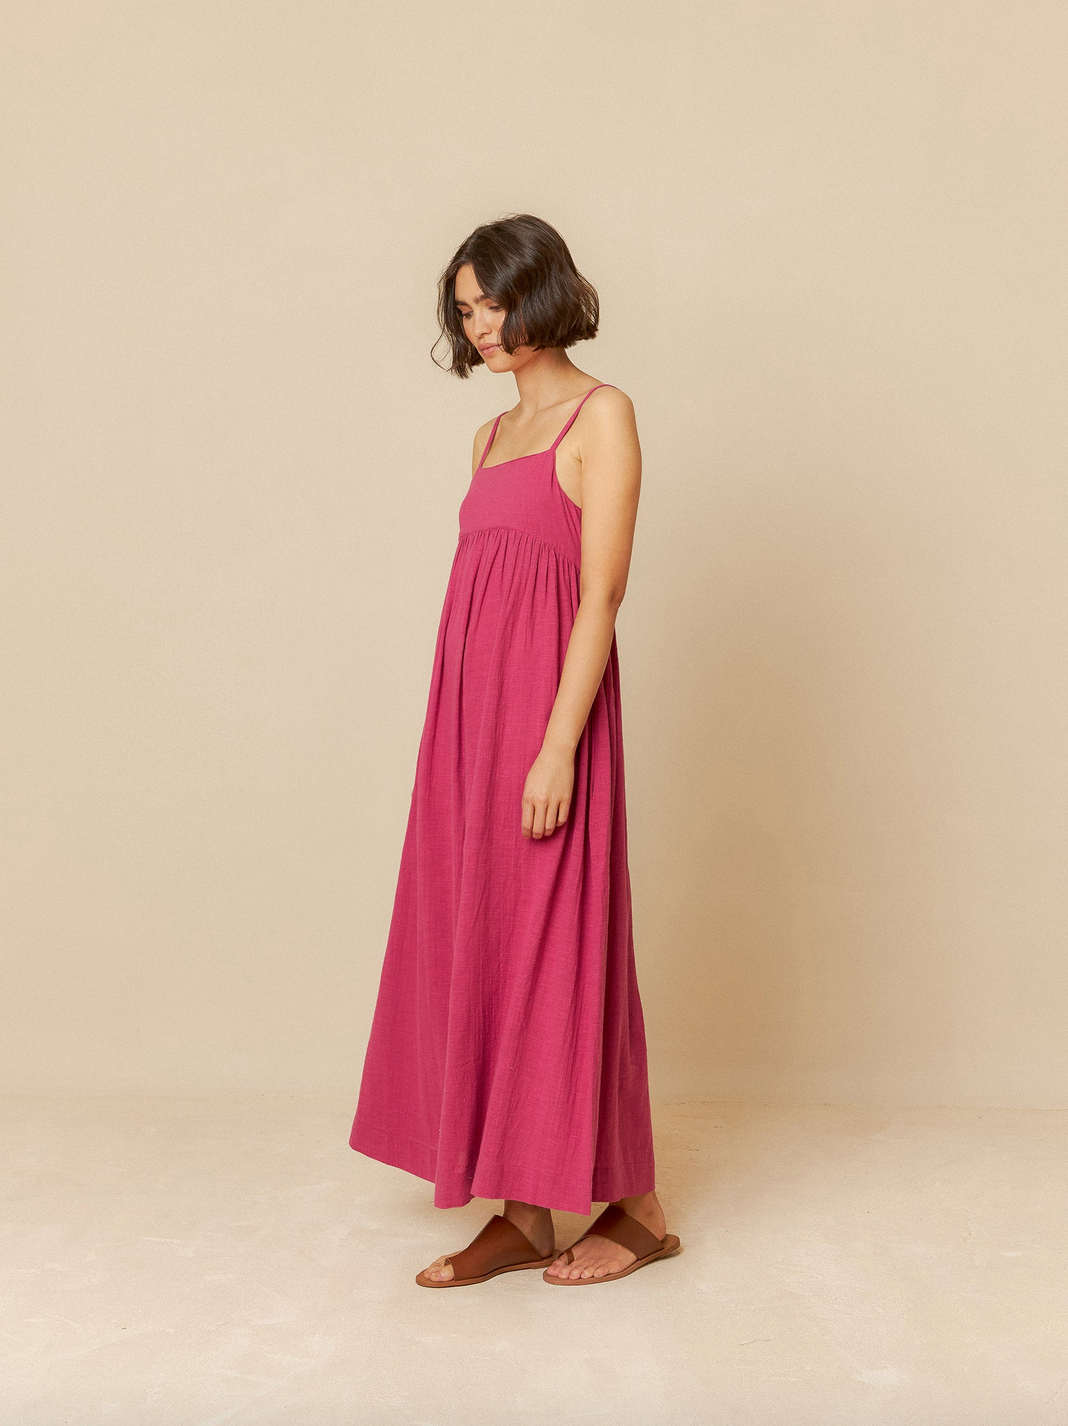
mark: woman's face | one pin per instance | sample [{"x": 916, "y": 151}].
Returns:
[{"x": 482, "y": 318}]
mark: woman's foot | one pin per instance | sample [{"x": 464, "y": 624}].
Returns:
[
  {"x": 595, "y": 1256},
  {"x": 535, "y": 1222}
]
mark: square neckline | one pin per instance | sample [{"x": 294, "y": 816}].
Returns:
[{"x": 512, "y": 459}]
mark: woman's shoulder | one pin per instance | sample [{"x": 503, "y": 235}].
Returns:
[
  {"x": 609, "y": 408},
  {"x": 482, "y": 436},
  {"x": 608, "y": 402},
  {"x": 483, "y": 431}
]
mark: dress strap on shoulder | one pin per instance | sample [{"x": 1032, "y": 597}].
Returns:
[
  {"x": 574, "y": 413},
  {"x": 485, "y": 448}
]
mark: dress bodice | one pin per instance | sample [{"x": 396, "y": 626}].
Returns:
[{"x": 524, "y": 494}]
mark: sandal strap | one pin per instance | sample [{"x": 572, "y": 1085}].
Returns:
[
  {"x": 498, "y": 1244},
  {"x": 618, "y": 1225}
]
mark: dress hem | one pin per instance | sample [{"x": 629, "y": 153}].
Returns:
[{"x": 499, "y": 1181}]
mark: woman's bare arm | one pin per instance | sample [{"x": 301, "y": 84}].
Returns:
[{"x": 607, "y": 446}]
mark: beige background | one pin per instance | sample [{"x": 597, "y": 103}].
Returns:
[{"x": 828, "y": 240}]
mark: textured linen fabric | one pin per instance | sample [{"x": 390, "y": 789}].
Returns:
[{"x": 507, "y": 1052}]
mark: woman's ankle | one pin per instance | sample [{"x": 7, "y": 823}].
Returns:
[{"x": 647, "y": 1208}]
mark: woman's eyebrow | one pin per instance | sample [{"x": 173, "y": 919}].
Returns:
[{"x": 480, "y": 298}]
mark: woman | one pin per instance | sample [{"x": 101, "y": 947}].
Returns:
[{"x": 507, "y": 1054}]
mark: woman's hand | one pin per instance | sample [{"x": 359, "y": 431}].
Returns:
[{"x": 547, "y": 793}]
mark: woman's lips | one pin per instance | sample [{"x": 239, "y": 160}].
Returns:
[{"x": 486, "y": 350}]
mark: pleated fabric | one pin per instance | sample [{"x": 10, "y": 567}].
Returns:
[{"x": 507, "y": 1052}]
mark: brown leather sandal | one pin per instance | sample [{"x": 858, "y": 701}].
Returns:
[
  {"x": 498, "y": 1247},
  {"x": 616, "y": 1224}
]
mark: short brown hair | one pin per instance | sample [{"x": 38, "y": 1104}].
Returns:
[{"x": 524, "y": 264}]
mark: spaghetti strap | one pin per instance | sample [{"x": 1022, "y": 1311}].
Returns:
[
  {"x": 485, "y": 448},
  {"x": 574, "y": 413}
]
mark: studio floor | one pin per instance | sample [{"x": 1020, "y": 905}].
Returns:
[{"x": 194, "y": 1262}]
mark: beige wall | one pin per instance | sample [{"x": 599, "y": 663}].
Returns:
[{"x": 829, "y": 243}]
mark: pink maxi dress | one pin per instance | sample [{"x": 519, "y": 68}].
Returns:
[{"x": 507, "y": 1051}]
